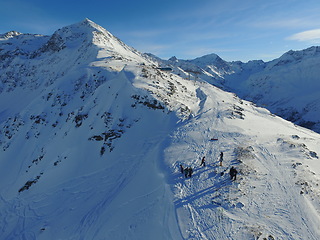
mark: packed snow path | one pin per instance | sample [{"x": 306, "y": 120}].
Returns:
[{"x": 263, "y": 203}]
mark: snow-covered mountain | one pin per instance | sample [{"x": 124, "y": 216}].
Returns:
[
  {"x": 290, "y": 87},
  {"x": 93, "y": 133},
  {"x": 287, "y": 86}
]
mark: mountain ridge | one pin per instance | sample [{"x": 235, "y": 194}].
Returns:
[
  {"x": 92, "y": 135},
  {"x": 281, "y": 85}
]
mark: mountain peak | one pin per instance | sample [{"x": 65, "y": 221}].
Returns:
[
  {"x": 10, "y": 34},
  {"x": 76, "y": 35},
  {"x": 89, "y": 25},
  {"x": 87, "y": 20},
  {"x": 294, "y": 57},
  {"x": 89, "y": 39},
  {"x": 297, "y": 55},
  {"x": 209, "y": 59},
  {"x": 84, "y": 27},
  {"x": 173, "y": 59}
]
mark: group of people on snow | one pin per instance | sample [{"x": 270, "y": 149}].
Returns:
[{"x": 188, "y": 170}]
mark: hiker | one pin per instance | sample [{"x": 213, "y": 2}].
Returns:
[
  {"x": 190, "y": 171},
  {"x": 221, "y": 158},
  {"x": 186, "y": 172},
  {"x": 203, "y": 161},
  {"x": 233, "y": 173},
  {"x": 181, "y": 168}
]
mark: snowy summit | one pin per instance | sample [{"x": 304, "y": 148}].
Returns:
[{"x": 97, "y": 141}]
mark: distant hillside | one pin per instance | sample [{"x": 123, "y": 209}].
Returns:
[{"x": 288, "y": 86}]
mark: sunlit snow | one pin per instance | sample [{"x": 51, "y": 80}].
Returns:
[{"x": 93, "y": 133}]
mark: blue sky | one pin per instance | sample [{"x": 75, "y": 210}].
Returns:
[{"x": 234, "y": 29}]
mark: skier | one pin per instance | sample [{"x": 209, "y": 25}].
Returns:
[
  {"x": 181, "y": 168},
  {"x": 186, "y": 172},
  {"x": 190, "y": 171},
  {"x": 203, "y": 161},
  {"x": 221, "y": 158},
  {"x": 233, "y": 173}
]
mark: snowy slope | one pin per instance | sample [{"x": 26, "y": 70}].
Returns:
[
  {"x": 277, "y": 192},
  {"x": 93, "y": 132},
  {"x": 287, "y": 86}
]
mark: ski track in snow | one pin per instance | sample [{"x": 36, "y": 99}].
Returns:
[
  {"x": 213, "y": 202},
  {"x": 287, "y": 205}
]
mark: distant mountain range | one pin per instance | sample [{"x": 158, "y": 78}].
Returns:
[{"x": 288, "y": 86}]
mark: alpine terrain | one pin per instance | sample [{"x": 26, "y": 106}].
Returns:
[
  {"x": 288, "y": 86},
  {"x": 93, "y": 134}
]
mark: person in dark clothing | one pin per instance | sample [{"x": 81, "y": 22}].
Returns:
[
  {"x": 186, "y": 172},
  {"x": 203, "y": 161},
  {"x": 181, "y": 168},
  {"x": 190, "y": 171},
  {"x": 221, "y": 158},
  {"x": 233, "y": 173}
]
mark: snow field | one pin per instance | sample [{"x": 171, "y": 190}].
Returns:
[
  {"x": 265, "y": 200},
  {"x": 92, "y": 151}
]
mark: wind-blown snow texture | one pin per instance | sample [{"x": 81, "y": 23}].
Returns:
[{"x": 93, "y": 133}]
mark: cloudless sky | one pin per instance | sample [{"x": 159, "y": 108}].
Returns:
[{"x": 234, "y": 29}]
